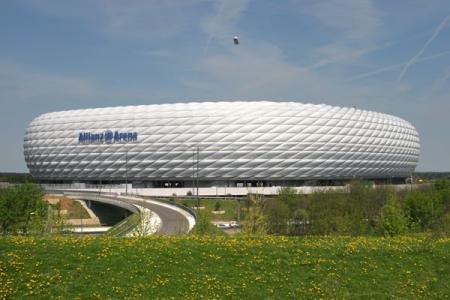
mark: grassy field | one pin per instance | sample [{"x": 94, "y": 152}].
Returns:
[
  {"x": 194, "y": 267},
  {"x": 228, "y": 206}
]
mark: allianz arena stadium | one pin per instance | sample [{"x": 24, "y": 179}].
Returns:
[{"x": 221, "y": 143}]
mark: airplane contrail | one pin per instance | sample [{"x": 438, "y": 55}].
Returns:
[
  {"x": 414, "y": 59},
  {"x": 397, "y": 66}
]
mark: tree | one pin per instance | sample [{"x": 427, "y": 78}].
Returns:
[
  {"x": 217, "y": 206},
  {"x": 298, "y": 224},
  {"x": 442, "y": 185},
  {"x": 326, "y": 212},
  {"x": 22, "y": 207},
  {"x": 55, "y": 223},
  {"x": 443, "y": 189},
  {"x": 392, "y": 220},
  {"x": 277, "y": 213},
  {"x": 202, "y": 225},
  {"x": 424, "y": 208},
  {"x": 147, "y": 224},
  {"x": 255, "y": 221},
  {"x": 288, "y": 196}
]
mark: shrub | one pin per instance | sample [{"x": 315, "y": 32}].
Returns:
[
  {"x": 361, "y": 210},
  {"x": 217, "y": 206},
  {"x": 288, "y": 196},
  {"x": 203, "y": 226},
  {"x": 392, "y": 220},
  {"x": 277, "y": 213},
  {"x": 424, "y": 208},
  {"x": 442, "y": 185},
  {"x": 255, "y": 221},
  {"x": 22, "y": 208},
  {"x": 327, "y": 213},
  {"x": 443, "y": 189},
  {"x": 298, "y": 224}
]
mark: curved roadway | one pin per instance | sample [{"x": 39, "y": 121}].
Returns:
[{"x": 172, "y": 220}]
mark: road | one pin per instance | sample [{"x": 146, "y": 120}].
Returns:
[{"x": 173, "y": 222}]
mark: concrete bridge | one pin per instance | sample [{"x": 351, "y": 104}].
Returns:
[{"x": 173, "y": 219}]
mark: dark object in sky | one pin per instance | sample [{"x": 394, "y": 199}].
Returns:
[{"x": 236, "y": 40}]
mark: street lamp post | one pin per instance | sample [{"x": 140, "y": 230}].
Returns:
[
  {"x": 193, "y": 172},
  {"x": 126, "y": 172},
  {"x": 81, "y": 219},
  {"x": 198, "y": 161},
  {"x": 28, "y": 221}
]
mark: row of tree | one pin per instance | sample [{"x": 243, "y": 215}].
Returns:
[
  {"x": 364, "y": 210},
  {"x": 16, "y": 177}
]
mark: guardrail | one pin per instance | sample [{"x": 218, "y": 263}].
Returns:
[
  {"x": 164, "y": 200},
  {"x": 125, "y": 226},
  {"x": 81, "y": 186},
  {"x": 111, "y": 199},
  {"x": 125, "y": 201}
]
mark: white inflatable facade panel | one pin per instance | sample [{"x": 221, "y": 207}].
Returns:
[{"x": 236, "y": 141}]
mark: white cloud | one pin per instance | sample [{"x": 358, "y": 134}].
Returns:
[
  {"x": 257, "y": 68},
  {"x": 441, "y": 82},
  {"x": 22, "y": 83},
  {"x": 355, "y": 24},
  {"x": 352, "y": 19},
  {"x": 252, "y": 68},
  {"x": 339, "y": 53},
  {"x": 162, "y": 53},
  {"x": 137, "y": 20},
  {"x": 222, "y": 23},
  {"x": 25, "y": 84}
]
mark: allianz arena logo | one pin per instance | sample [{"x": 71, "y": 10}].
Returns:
[{"x": 107, "y": 137}]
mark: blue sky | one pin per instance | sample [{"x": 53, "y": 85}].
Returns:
[{"x": 387, "y": 56}]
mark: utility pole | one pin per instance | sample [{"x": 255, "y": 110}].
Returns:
[
  {"x": 238, "y": 209},
  {"x": 198, "y": 159},
  {"x": 193, "y": 172},
  {"x": 81, "y": 219},
  {"x": 126, "y": 172}
]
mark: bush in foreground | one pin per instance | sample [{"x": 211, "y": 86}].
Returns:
[{"x": 22, "y": 209}]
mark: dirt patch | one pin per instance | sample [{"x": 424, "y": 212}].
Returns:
[
  {"x": 72, "y": 210},
  {"x": 64, "y": 203}
]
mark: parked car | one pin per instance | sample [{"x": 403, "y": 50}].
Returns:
[
  {"x": 223, "y": 225},
  {"x": 234, "y": 224}
]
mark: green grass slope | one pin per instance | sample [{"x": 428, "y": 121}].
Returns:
[{"x": 192, "y": 267}]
